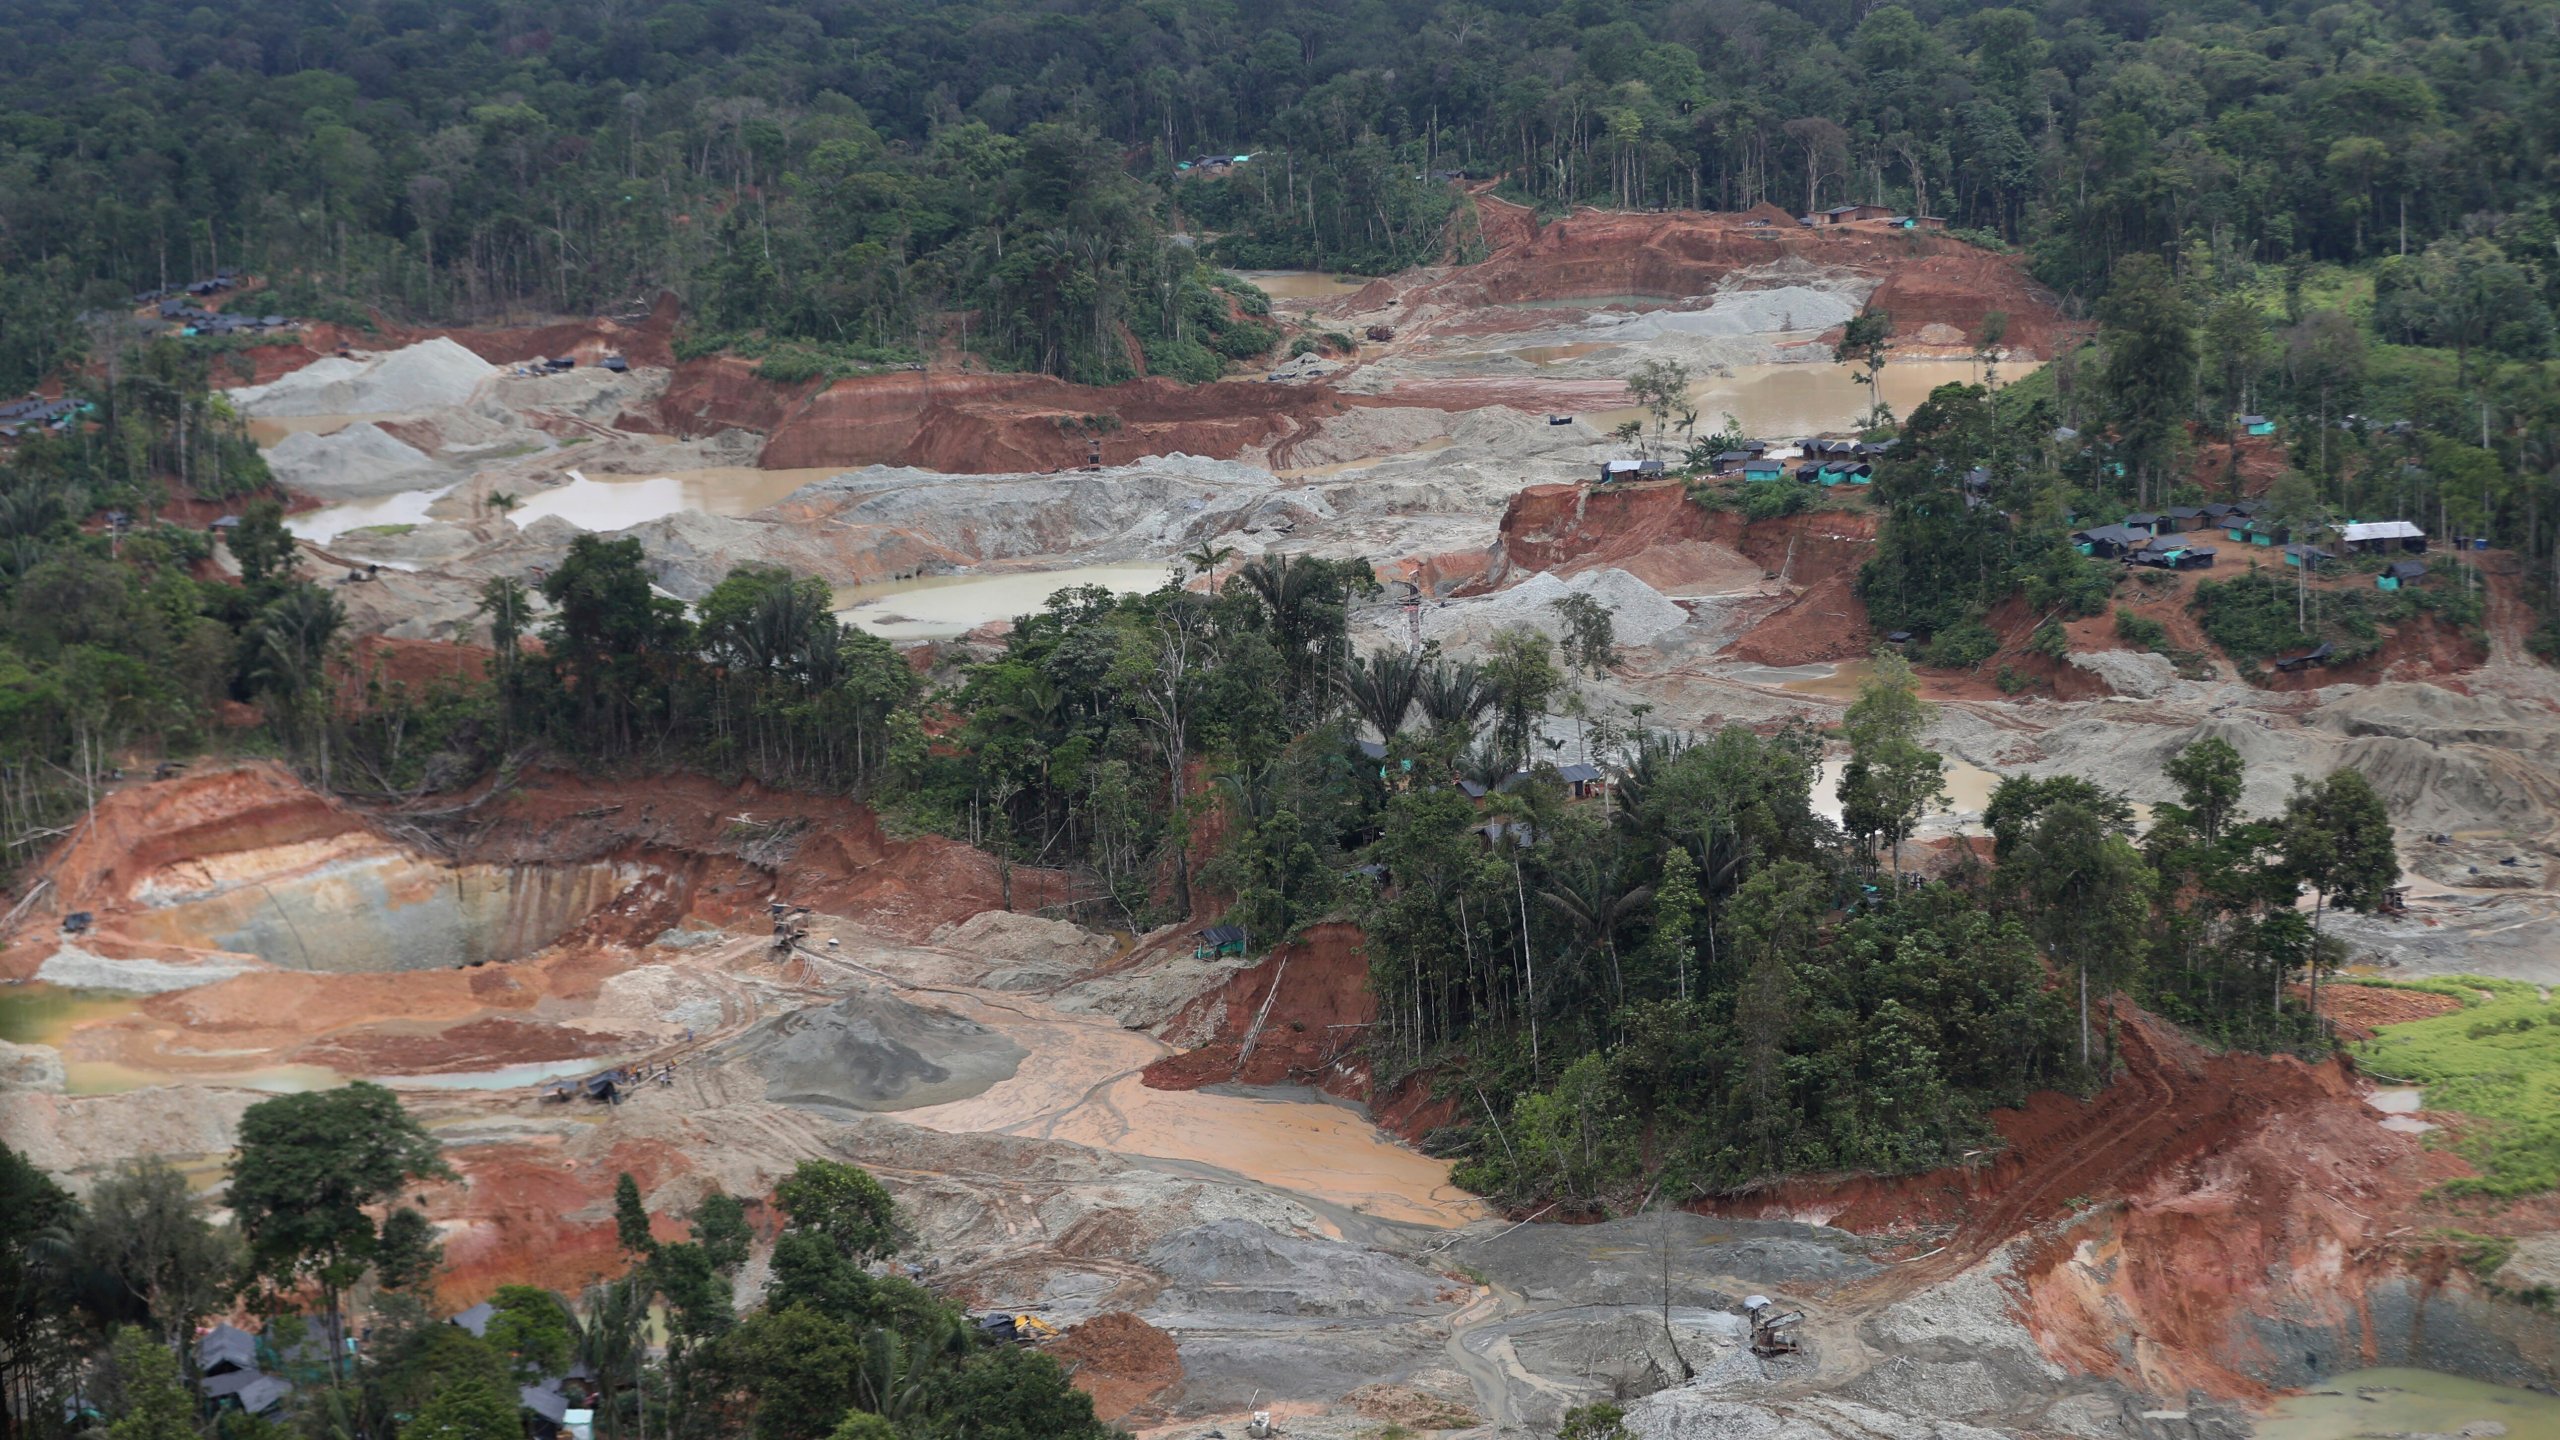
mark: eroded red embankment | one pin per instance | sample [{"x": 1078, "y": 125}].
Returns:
[
  {"x": 647, "y": 341},
  {"x": 1925, "y": 279},
  {"x": 1314, "y": 1024},
  {"x": 743, "y": 843},
  {"x": 1817, "y": 555},
  {"x": 2208, "y": 1187},
  {"x": 1312, "y": 1034},
  {"x": 977, "y": 423}
]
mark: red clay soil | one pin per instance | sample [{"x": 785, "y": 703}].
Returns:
[
  {"x": 2202, "y": 1183},
  {"x": 1408, "y": 1110},
  {"x": 417, "y": 665},
  {"x": 1556, "y": 527},
  {"x": 978, "y": 423},
  {"x": 1123, "y": 1362},
  {"x": 837, "y": 857},
  {"x": 1928, "y": 279},
  {"x": 648, "y": 341},
  {"x": 1320, "y": 1015},
  {"x": 2211, "y": 469},
  {"x": 2423, "y": 648},
  {"x": 143, "y": 826},
  {"x": 2359, "y": 1010}
]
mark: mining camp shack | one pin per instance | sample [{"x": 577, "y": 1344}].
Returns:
[
  {"x": 2376, "y": 537},
  {"x": 2400, "y": 573}
]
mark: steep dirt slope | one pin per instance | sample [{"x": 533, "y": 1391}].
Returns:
[
  {"x": 1814, "y": 557},
  {"x": 1925, "y": 279},
  {"x": 979, "y": 423}
]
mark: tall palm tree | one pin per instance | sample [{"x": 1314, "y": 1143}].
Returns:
[
  {"x": 1382, "y": 689},
  {"x": 1598, "y": 894},
  {"x": 1453, "y": 693}
]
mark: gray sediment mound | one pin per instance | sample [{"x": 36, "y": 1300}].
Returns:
[
  {"x": 1239, "y": 1266},
  {"x": 873, "y": 1051},
  {"x": 1623, "y": 1262}
]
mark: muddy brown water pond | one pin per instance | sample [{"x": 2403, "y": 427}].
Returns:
[
  {"x": 1302, "y": 284},
  {"x": 2411, "y": 1403},
  {"x": 37, "y": 1013},
  {"x": 1790, "y": 401}
]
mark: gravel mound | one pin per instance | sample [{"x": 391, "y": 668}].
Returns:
[
  {"x": 430, "y": 375},
  {"x": 2139, "y": 674},
  {"x": 1783, "y": 309},
  {"x": 1641, "y": 614},
  {"x": 1240, "y": 1266},
  {"x": 874, "y": 1051},
  {"x": 358, "y": 462},
  {"x": 1026, "y": 952}
]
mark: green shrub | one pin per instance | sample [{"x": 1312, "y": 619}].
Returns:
[
  {"x": 2141, "y": 631},
  {"x": 1964, "y": 646},
  {"x": 2050, "y": 640},
  {"x": 2013, "y": 680},
  {"x": 1773, "y": 499},
  {"x": 1245, "y": 339},
  {"x": 1185, "y": 360},
  {"x": 2070, "y": 580}
]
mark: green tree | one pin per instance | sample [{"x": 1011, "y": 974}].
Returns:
[
  {"x": 1867, "y": 341},
  {"x": 311, "y": 1169},
  {"x": 2148, "y": 333},
  {"x": 1661, "y": 388},
  {"x": 2210, "y": 776},
  {"x": 842, "y": 1204},
  {"x": 408, "y": 1255},
  {"x": 1522, "y": 674},
  {"x": 2088, "y": 897},
  {"x": 37, "y": 1326},
  {"x": 145, "y": 1231},
  {"x": 720, "y": 1227},
  {"x": 155, "y": 1401},
  {"x": 631, "y": 1218},
  {"x": 1891, "y": 780},
  {"x": 471, "y": 1407},
  {"x": 1590, "y": 640},
  {"x": 263, "y": 547},
  {"x": 530, "y": 1326},
  {"x": 2337, "y": 839}
]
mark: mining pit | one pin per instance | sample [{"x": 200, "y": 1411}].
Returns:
[{"x": 1071, "y": 1121}]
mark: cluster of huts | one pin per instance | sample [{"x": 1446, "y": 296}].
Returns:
[
  {"x": 1855, "y": 214},
  {"x": 245, "y": 1373},
  {"x": 24, "y": 417},
  {"x": 1815, "y": 462},
  {"x": 2168, "y": 539}
]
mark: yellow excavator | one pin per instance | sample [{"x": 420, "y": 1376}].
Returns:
[{"x": 1021, "y": 1328}]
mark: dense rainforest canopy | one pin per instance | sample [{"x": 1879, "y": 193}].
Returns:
[{"x": 848, "y": 171}]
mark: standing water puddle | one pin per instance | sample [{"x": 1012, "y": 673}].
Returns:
[
  {"x": 36, "y": 1013},
  {"x": 945, "y": 607},
  {"x": 2413, "y": 1403},
  {"x": 1968, "y": 790},
  {"x": 1302, "y": 284},
  {"x": 618, "y": 502}
]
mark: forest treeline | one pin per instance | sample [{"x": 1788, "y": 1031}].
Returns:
[
  {"x": 325, "y": 1248},
  {"x": 848, "y": 174}
]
